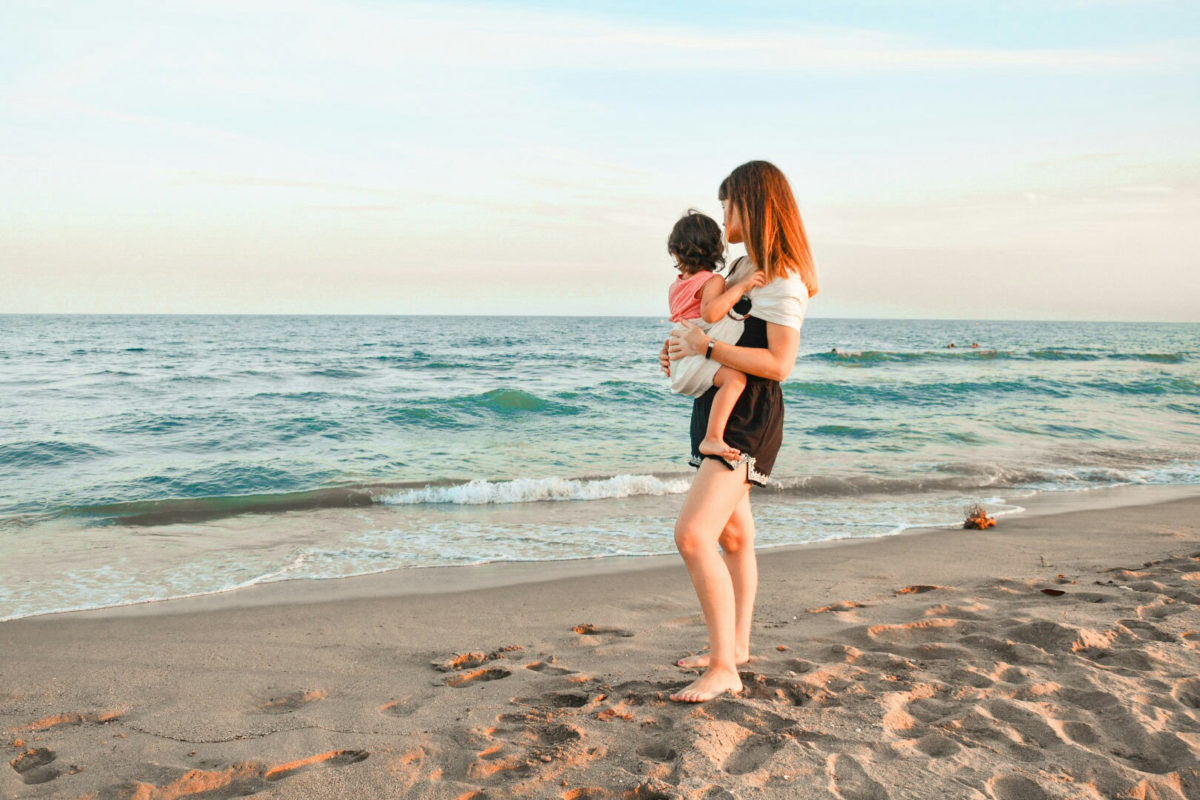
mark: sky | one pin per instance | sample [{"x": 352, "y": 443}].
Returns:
[{"x": 967, "y": 160}]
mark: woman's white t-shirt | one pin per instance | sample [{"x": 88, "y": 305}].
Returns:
[{"x": 783, "y": 301}]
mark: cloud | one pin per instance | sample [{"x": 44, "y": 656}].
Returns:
[
  {"x": 319, "y": 49},
  {"x": 497, "y": 37}
]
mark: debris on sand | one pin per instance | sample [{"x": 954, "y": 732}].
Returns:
[{"x": 977, "y": 518}]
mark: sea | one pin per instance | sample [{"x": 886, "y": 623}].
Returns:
[{"x": 149, "y": 457}]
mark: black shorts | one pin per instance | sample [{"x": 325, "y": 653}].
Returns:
[{"x": 755, "y": 426}]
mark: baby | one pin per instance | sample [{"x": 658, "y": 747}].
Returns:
[{"x": 701, "y": 297}]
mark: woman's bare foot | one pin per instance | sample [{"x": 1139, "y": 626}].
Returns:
[
  {"x": 700, "y": 660},
  {"x": 713, "y": 683},
  {"x": 712, "y": 446}
]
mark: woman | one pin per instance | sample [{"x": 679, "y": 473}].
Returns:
[{"x": 760, "y": 211}]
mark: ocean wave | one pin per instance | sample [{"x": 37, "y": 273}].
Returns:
[
  {"x": 867, "y": 357},
  {"x": 918, "y": 395},
  {"x": 1158, "y": 358},
  {"x": 464, "y": 412},
  {"x": 533, "y": 490},
  {"x": 337, "y": 372},
  {"x": 506, "y": 402},
  {"x": 924, "y": 394},
  {"x": 975, "y": 477},
  {"x": 1175, "y": 384},
  {"x": 173, "y": 510},
  {"x": 870, "y": 357},
  {"x": 963, "y": 478},
  {"x": 845, "y": 432},
  {"x": 26, "y": 455},
  {"x": 617, "y": 391}
]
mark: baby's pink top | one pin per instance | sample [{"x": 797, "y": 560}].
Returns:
[{"x": 684, "y": 295}]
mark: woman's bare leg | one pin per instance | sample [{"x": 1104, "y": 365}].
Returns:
[
  {"x": 715, "y": 494},
  {"x": 737, "y": 550}
]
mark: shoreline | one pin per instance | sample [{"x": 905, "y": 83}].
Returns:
[{"x": 405, "y": 581}]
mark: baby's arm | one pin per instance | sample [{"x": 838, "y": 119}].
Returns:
[{"x": 716, "y": 299}]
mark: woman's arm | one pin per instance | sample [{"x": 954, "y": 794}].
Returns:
[{"x": 773, "y": 362}]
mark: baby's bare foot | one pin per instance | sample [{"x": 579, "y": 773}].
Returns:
[
  {"x": 713, "y": 683},
  {"x": 712, "y": 446},
  {"x": 700, "y": 661}
]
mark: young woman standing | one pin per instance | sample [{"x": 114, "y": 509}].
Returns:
[{"x": 761, "y": 211}]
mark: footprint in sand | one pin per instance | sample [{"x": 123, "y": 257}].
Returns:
[
  {"x": 747, "y": 715},
  {"x": 74, "y": 718},
  {"x": 461, "y": 661},
  {"x": 334, "y": 758},
  {"x": 33, "y": 765},
  {"x": 1145, "y": 631},
  {"x": 587, "y": 793},
  {"x": 658, "y": 751},
  {"x": 567, "y": 700},
  {"x": 553, "y": 700},
  {"x": 776, "y": 690},
  {"x": 838, "y": 607},
  {"x": 1188, "y": 692},
  {"x": 399, "y": 708},
  {"x": 223, "y": 783},
  {"x": 588, "y": 629},
  {"x": 751, "y": 753},
  {"x": 800, "y": 665},
  {"x": 652, "y": 789},
  {"x": 935, "y": 745},
  {"x": 851, "y": 782},
  {"x": 286, "y": 703},
  {"x": 477, "y": 676},
  {"x": 1016, "y": 787},
  {"x": 919, "y": 588},
  {"x": 558, "y": 735},
  {"x": 548, "y": 667},
  {"x": 527, "y": 748},
  {"x": 1080, "y": 732},
  {"x": 1028, "y": 724},
  {"x": 474, "y": 658},
  {"x": 644, "y": 693}
]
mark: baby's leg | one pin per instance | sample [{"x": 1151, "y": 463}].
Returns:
[{"x": 729, "y": 383}]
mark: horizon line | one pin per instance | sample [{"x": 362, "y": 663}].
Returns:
[{"x": 552, "y": 316}]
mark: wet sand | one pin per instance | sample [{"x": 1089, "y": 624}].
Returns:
[{"x": 1052, "y": 656}]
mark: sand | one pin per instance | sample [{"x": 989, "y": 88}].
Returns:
[{"x": 1053, "y": 656}]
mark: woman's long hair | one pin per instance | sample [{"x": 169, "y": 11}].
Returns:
[{"x": 771, "y": 224}]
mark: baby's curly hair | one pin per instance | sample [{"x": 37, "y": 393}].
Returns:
[{"x": 697, "y": 242}]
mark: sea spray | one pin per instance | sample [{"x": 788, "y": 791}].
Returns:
[{"x": 533, "y": 490}]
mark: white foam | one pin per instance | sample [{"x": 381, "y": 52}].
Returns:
[{"x": 532, "y": 490}]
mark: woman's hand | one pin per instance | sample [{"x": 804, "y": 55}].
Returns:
[
  {"x": 690, "y": 342},
  {"x": 663, "y": 361}
]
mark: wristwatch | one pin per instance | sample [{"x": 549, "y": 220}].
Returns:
[{"x": 708, "y": 352}]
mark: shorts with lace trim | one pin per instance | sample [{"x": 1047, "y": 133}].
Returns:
[{"x": 755, "y": 428}]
